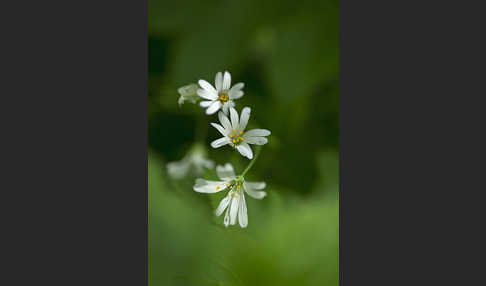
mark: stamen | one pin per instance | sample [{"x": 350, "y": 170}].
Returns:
[
  {"x": 223, "y": 97},
  {"x": 235, "y": 136}
]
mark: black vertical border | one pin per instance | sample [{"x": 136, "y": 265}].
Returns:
[
  {"x": 74, "y": 196},
  {"x": 411, "y": 142}
]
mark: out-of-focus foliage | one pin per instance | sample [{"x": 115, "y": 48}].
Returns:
[
  {"x": 286, "y": 53},
  {"x": 290, "y": 240}
]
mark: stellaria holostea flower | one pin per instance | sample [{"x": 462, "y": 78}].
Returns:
[
  {"x": 235, "y": 135},
  {"x": 195, "y": 161},
  {"x": 221, "y": 97},
  {"x": 234, "y": 203},
  {"x": 188, "y": 93}
]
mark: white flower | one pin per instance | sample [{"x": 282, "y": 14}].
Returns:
[
  {"x": 220, "y": 97},
  {"x": 195, "y": 161},
  {"x": 234, "y": 202},
  {"x": 188, "y": 93},
  {"x": 235, "y": 135}
]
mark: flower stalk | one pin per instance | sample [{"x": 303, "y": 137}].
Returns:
[{"x": 258, "y": 151}]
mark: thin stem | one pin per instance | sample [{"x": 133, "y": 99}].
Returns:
[{"x": 259, "y": 149}]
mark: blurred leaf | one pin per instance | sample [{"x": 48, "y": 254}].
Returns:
[
  {"x": 170, "y": 17},
  {"x": 328, "y": 183},
  {"x": 217, "y": 43},
  {"x": 187, "y": 249},
  {"x": 305, "y": 53}
]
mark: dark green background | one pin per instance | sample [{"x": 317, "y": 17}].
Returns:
[{"x": 286, "y": 53}]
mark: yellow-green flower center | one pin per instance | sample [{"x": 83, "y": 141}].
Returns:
[
  {"x": 223, "y": 97},
  {"x": 236, "y": 136},
  {"x": 235, "y": 187}
]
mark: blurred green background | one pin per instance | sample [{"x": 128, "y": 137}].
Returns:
[{"x": 286, "y": 53}]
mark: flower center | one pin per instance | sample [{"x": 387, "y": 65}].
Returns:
[
  {"x": 236, "y": 136},
  {"x": 223, "y": 97},
  {"x": 234, "y": 188}
]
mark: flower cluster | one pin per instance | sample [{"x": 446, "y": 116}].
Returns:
[
  {"x": 221, "y": 97},
  {"x": 234, "y": 202}
]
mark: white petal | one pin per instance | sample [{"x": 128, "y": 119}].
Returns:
[
  {"x": 204, "y": 186},
  {"x": 235, "y": 94},
  {"x": 200, "y": 164},
  {"x": 226, "y": 80},
  {"x": 215, "y": 106},
  {"x": 234, "y": 209},
  {"x": 207, "y": 163},
  {"x": 225, "y": 172},
  {"x": 256, "y": 194},
  {"x": 207, "y": 86},
  {"x": 226, "y": 216},
  {"x": 178, "y": 169},
  {"x": 188, "y": 90},
  {"x": 256, "y": 140},
  {"x": 227, "y": 105},
  {"x": 221, "y": 129},
  {"x": 224, "y": 121},
  {"x": 251, "y": 190},
  {"x": 234, "y": 118},
  {"x": 205, "y": 103},
  {"x": 242, "y": 212},
  {"x": 218, "y": 81},
  {"x": 245, "y": 150},
  {"x": 207, "y": 94},
  {"x": 245, "y": 115},
  {"x": 256, "y": 185},
  {"x": 225, "y": 108},
  {"x": 220, "y": 142},
  {"x": 256, "y": 133},
  {"x": 238, "y": 86},
  {"x": 222, "y": 205}
]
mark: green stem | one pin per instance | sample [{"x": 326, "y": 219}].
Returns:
[{"x": 259, "y": 149}]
